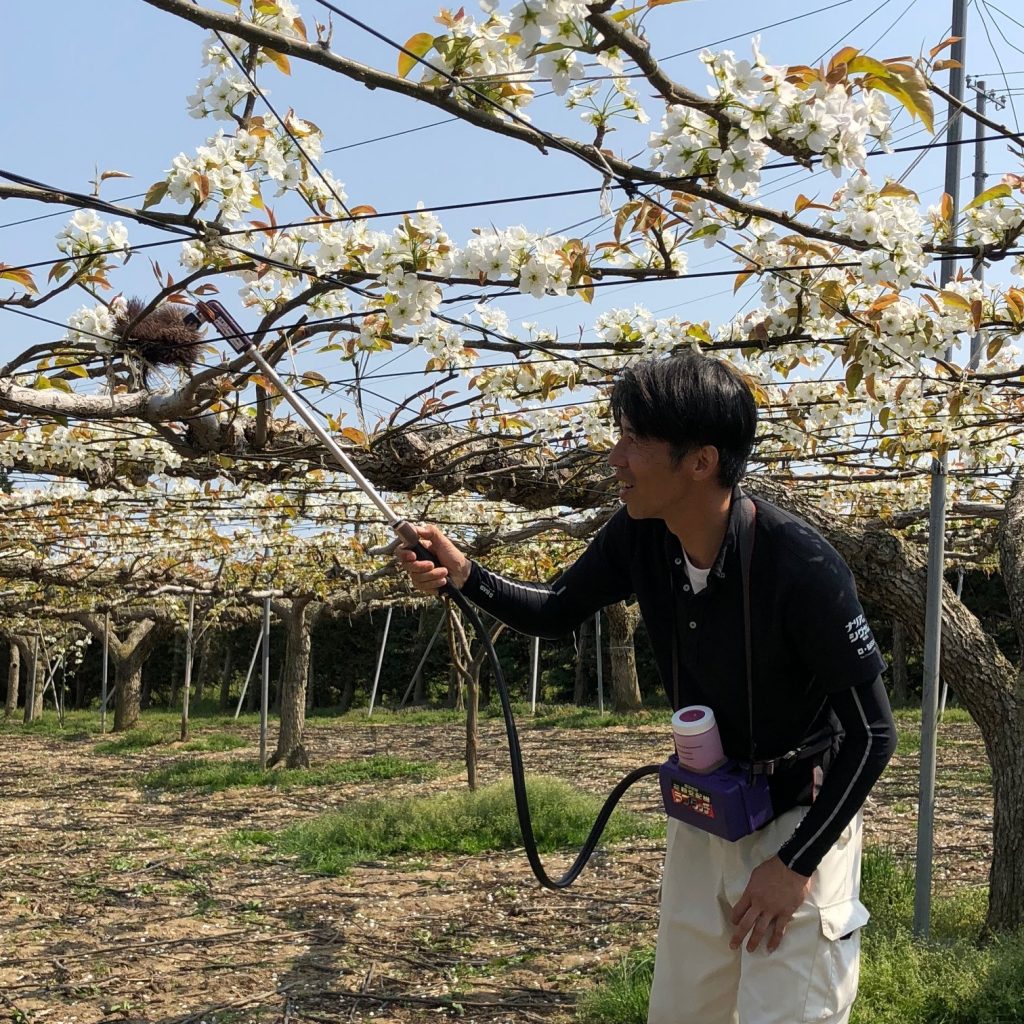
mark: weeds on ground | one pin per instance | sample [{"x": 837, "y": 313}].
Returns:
[
  {"x": 214, "y": 776},
  {"x": 460, "y": 822}
]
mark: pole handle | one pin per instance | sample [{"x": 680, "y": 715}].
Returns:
[{"x": 410, "y": 538}]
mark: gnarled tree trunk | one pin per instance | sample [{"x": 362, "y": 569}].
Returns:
[
  {"x": 13, "y": 678},
  {"x": 127, "y": 657},
  {"x": 625, "y": 688},
  {"x": 584, "y": 656},
  {"x": 296, "y": 616},
  {"x": 32, "y": 658},
  {"x": 900, "y": 688}
]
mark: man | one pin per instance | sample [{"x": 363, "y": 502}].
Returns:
[{"x": 764, "y": 930}]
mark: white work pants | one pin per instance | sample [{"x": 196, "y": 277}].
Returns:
[{"x": 812, "y": 976}]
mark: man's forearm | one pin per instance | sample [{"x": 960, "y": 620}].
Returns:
[{"x": 868, "y": 743}]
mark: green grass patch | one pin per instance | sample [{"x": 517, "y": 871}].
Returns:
[
  {"x": 214, "y": 776},
  {"x": 134, "y": 739},
  {"x": 623, "y": 993},
  {"x": 948, "y": 979},
  {"x": 461, "y": 822},
  {"x": 572, "y": 717},
  {"x": 215, "y": 741}
]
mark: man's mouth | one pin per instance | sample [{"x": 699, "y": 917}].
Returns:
[{"x": 624, "y": 488}]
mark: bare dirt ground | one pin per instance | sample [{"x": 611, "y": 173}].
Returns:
[{"x": 118, "y": 905}]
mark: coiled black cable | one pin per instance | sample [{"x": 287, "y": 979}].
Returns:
[{"x": 516, "y": 758}]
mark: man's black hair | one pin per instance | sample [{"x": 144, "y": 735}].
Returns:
[{"x": 690, "y": 400}]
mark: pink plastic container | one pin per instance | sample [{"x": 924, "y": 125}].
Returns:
[{"x": 698, "y": 744}]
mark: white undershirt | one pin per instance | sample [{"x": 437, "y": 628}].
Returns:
[{"x": 698, "y": 577}]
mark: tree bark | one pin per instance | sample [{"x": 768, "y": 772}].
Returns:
[
  {"x": 13, "y": 678},
  {"x": 224, "y": 703},
  {"x": 296, "y": 615},
  {"x": 625, "y": 688},
  {"x": 33, "y": 689},
  {"x": 127, "y": 657},
  {"x": 900, "y": 690},
  {"x": 1005, "y": 749},
  {"x": 199, "y": 680},
  {"x": 584, "y": 652}
]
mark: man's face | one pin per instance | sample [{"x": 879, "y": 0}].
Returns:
[{"x": 652, "y": 484}]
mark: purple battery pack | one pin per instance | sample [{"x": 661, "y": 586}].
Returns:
[{"x": 725, "y": 802}]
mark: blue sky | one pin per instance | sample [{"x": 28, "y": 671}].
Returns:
[{"x": 104, "y": 85}]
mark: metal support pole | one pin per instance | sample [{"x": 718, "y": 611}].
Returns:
[
  {"x": 937, "y": 532},
  {"x": 30, "y": 697},
  {"x": 248, "y": 674},
  {"x": 534, "y": 671},
  {"x": 380, "y": 661},
  {"x": 600, "y": 664},
  {"x": 945, "y": 686},
  {"x": 978, "y": 269},
  {"x": 265, "y": 684},
  {"x": 423, "y": 659},
  {"x": 106, "y": 665},
  {"x": 189, "y": 650}
]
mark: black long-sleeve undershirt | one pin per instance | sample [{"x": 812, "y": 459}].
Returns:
[
  {"x": 863, "y": 712},
  {"x": 868, "y": 741}
]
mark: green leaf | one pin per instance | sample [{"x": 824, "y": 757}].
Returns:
[
  {"x": 954, "y": 300},
  {"x": 279, "y": 59},
  {"x": 854, "y": 375},
  {"x": 156, "y": 193},
  {"x": 312, "y": 379},
  {"x": 1001, "y": 191},
  {"x": 419, "y": 44},
  {"x": 910, "y": 87},
  {"x": 19, "y": 276}
]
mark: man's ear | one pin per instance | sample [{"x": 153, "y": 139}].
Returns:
[{"x": 705, "y": 462}]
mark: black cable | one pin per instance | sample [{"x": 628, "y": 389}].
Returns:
[
  {"x": 866, "y": 17},
  {"x": 516, "y": 758},
  {"x": 753, "y": 31}
]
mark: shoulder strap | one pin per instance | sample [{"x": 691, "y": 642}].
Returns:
[{"x": 748, "y": 521}]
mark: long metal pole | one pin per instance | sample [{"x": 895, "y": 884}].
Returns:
[
  {"x": 30, "y": 697},
  {"x": 248, "y": 674},
  {"x": 600, "y": 664},
  {"x": 423, "y": 660},
  {"x": 189, "y": 649},
  {"x": 106, "y": 665},
  {"x": 380, "y": 661},
  {"x": 534, "y": 671},
  {"x": 937, "y": 531},
  {"x": 978, "y": 269},
  {"x": 265, "y": 684}
]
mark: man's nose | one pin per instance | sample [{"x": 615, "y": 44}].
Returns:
[{"x": 615, "y": 455}]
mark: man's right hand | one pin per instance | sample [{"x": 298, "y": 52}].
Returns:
[{"x": 452, "y": 565}]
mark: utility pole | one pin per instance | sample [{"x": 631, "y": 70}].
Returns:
[{"x": 937, "y": 525}]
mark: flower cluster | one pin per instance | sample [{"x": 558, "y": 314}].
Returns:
[
  {"x": 757, "y": 101},
  {"x": 228, "y": 169},
  {"x": 87, "y": 234},
  {"x": 69, "y": 450}
]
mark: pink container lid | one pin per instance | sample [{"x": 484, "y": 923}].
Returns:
[{"x": 693, "y": 720}]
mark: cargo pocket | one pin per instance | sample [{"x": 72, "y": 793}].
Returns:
[{"x": 834, "y": 972}]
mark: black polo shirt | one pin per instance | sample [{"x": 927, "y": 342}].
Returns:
[{"x": 808, "y": 631}]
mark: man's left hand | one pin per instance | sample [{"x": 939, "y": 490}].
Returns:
[{"x": 767, "y": 905}]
